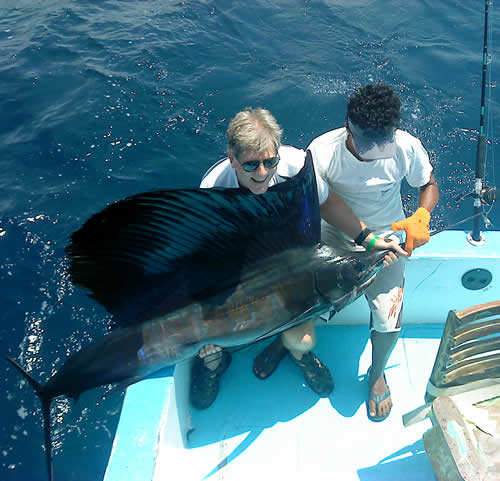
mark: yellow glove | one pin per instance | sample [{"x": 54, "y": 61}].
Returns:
[{"x": 416, "y": 227}]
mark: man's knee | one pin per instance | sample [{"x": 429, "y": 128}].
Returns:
[{"x": 301, "y": 338}]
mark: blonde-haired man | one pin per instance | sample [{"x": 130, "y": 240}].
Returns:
[{"x": 256, "y": 160}]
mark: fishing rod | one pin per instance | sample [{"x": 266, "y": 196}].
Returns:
[
  {"x": 481, "y": 194},
  {"x": 472, "y": 217}
]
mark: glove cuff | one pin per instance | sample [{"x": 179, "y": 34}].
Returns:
[{"x": 423, "y": 215}]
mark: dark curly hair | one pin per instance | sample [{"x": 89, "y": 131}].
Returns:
[{"x": 375, "y": 107}]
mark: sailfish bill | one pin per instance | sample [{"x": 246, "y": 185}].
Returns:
[{"x": 182, "y": 268}]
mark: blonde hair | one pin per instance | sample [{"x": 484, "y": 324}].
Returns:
[{"x": 253, "y": 131}]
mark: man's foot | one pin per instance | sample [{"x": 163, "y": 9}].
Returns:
[
  {"x": 379, "y": 402},
  {"x": 267, "y": 361},
  {"x": 205, "y": 381},
  {"x": 316, "y": 374}
]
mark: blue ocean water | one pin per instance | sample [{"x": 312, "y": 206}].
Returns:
[{"x": 101, "y": 99}]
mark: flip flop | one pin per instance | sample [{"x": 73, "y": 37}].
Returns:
[
  {"x": 268, "y": 360},
  {"x": 377, "y": 399}
]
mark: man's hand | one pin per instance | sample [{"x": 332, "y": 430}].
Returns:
[
  {"x": 396, "y": 249},
  {"x": 416, "y": 227}
]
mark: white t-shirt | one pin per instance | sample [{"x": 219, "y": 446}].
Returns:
[
  {"x": 371, "y": 189},
  {"x": 221, "y": 174}
]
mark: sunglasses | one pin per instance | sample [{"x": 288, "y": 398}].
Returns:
[{"x": 253, "y": 165}]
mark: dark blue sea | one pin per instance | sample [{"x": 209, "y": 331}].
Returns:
[{"x": 100, "y": 99}]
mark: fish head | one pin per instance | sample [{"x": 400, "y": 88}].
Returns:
[{"x": 344, "y": 276}]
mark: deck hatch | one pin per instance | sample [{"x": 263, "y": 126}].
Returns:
[{"x": 476, "y": 279}]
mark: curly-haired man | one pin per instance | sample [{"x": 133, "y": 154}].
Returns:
[{"x": 364, "y": 163}]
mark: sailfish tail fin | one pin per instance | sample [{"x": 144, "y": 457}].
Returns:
[{"x": 46, "y": 400}]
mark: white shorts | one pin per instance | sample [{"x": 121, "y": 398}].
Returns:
[{"x": 385, "y": 293}]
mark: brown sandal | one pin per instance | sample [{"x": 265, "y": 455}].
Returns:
[
  {"x": 267, "y": 361},
  {"x": 205, "y": 382},
  {"x": 316, "y": 374}
]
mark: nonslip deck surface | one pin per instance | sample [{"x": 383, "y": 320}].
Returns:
[{"x": 278, "y": 428}]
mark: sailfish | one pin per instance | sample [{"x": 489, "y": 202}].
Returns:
[{"x": 182, "y": 268}]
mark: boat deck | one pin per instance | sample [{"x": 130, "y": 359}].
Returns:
[{"x": 279, "y": 428}]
